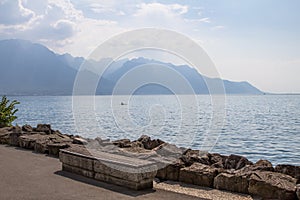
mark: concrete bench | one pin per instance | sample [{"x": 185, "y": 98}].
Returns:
[{"x": 120, "y": 170}]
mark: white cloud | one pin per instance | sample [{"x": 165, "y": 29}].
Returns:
[
  {"x": 201, "y": 20},
  {"x": 56, "y": 24},
  {"x": 105, "y": 9},
  {"x": 12, "y": 12},
  {"x": 181, "y": 9},
  {"x": 64, "y": 28},
  {"x": 153, "y": 9},
  {"x": 38, "y": 7},
  {"x": 91, "y": 34},
  {"x": 101, "y": 8},
  {"x": 63, "y": 9},
  {"x": 67, "y": 26},
  {"x": 169, "y": 16}
]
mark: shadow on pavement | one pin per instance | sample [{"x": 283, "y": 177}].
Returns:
[{"x": 114, "y": 188}]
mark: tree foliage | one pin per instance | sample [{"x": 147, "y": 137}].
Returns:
[{"x": 7, "y": 111}]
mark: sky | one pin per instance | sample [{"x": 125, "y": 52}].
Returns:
[{"x": 248, "y": 40}]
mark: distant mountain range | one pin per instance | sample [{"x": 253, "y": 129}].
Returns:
[{"x": 32, "y": 69}]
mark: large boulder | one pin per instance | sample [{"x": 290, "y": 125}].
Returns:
[
  {"x": 217, "y": 160},
  {"x": 169, "y": 151},
  {"x": 46, "y": 128},
  {"x": 41, "y": 146},
  {"x": 148, "y": 143},
  {"x": 26, "y": 142},
  {"x": 122, "y": 143},
  {"x": 4, "y": 135},
  {"x": 234, "y": 182},
  {"x": 238, "y": 180},
  {"x": 170, "y": 171},
  {"x": 198, "y": 174},
  {"x": 4, "y": 138},
  {"x": 293, "y": 171},
  {"x": 272, "y": 185},
  {"x": 79, "y": 140},
  {"x": 190, "y": 156},
  {"x": 27, "y": 128},
  {"x": 298, "y": 191},
  {"x": 135, "y": 147},
  {"x": 78, "y": 148},
  {"x": 14, "y": 136},
  {"x": 55, "y": 147},
  {"x": 39, "y": 142},
  {"x": 236, "y": 162},
  {"x": 58, "y": 137},
  {"x": 103, "y": 141},
  {"x": 5, "y": 129},
  {"x": 233, "y": 162},
  {"x": 263, "y": 165}
]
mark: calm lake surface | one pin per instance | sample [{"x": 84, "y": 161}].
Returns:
[{"x": 258, "y": 127}]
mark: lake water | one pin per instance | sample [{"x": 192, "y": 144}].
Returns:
[{"x": 258, "y": 127}]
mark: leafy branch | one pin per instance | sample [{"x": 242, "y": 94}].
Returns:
[{"x": 7, "y": 111}]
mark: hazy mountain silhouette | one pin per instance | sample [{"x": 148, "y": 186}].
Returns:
[
  {"x": 30, "y": 69},
  {"x": 196, "y": 80},
  {"x": 33, "y": 69}
]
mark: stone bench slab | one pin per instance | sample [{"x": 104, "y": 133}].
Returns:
[{"x": 116, "y": 169}]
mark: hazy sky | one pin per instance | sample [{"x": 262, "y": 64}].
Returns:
[{"x": 253, "y": 40}]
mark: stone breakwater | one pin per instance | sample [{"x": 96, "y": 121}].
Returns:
[{"x": 232, "y": 173}]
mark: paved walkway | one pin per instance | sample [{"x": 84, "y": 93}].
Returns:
[{"x": 26, "y": 175}]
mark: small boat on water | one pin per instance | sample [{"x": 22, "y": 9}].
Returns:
[{"x": 122, "y": 104}]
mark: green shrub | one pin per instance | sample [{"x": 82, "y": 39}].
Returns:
[{"x": 7, "y": 111}]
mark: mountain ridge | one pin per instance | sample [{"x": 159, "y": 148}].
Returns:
[{"x": 32, "y": 69}]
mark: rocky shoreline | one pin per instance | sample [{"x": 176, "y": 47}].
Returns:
[{"x": 232, "y": 173}]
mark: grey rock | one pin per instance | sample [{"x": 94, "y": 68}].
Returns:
[
  {"x": 123, "y": 143},
  {"x": 217, "y": 160},
  {"x": 27, "y": 142},
  {"x": 14, "y": 136},
  {"x": 191, "y": 156},
  {"x": 293, "y": 171},
  {"x": 27, "y": 128},
  {"x": 46, "y": 128},
  {"x": 55, "y": 147},
  {"x": 40, "y": 146},
  {"x": 167, "y": 150},
  {"x": 198, "y": 174},
  {"x": 148, "y": 143},
  {"x": 236, "y": 162},
  {"x": 170, "y": 171},
  {"x": 272, "y": 185},
  {"x": 263, "y": 165},
  {"x": 235, "y": 182},
  {"x": 4, "y": 135},
  {"x": 79, "y": 140}
]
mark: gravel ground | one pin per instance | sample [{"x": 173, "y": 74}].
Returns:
[{"x": 201, "y": 192}]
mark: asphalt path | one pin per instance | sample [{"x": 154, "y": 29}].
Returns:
[{"x": 25, "y": 175}]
